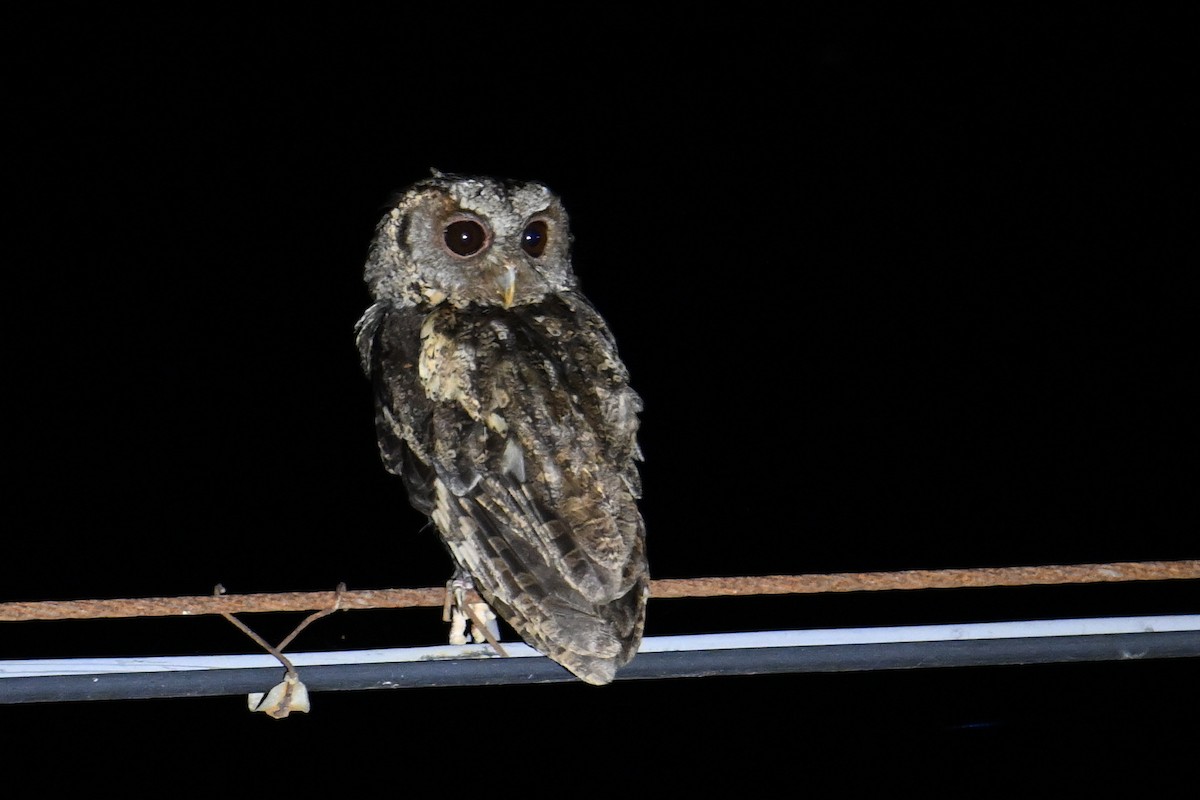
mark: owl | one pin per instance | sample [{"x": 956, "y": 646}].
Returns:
[{"x": 502, "y": 404}]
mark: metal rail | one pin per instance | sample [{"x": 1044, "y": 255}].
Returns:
[{"x": 833, "y": 650}]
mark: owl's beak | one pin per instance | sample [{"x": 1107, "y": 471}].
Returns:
[{"x": 508, "y": 284}]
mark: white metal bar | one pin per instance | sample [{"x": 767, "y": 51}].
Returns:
[{"x": 1032, "y": 629}]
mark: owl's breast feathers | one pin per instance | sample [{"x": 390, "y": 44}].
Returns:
[{"x": 515, "y": 430}]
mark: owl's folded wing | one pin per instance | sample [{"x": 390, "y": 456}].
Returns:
[{"x": 515, "y": 432}]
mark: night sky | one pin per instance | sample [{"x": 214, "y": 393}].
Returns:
[{"x": 896, "y": 294}]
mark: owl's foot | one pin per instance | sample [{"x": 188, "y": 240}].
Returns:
[{"x": 458, "y": 609}]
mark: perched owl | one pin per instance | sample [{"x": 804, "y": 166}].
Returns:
[{"x": 503, "y": 405}]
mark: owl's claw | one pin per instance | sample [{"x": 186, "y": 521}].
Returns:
[
  {"x": 456, "y": 590},
  {"x": 457, "y": 610}
]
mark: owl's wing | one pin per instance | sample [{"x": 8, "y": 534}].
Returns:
[
  {"x": 400, "y": 407},
  {"x": 516, "y": 430}
]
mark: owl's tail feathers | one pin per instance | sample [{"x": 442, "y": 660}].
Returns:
[
  {"x": 592, "y": 643},
  {"x": 600, "y": 643},
  {"x": 595, "y": 671},
  {"x": 508, "y": 544}
]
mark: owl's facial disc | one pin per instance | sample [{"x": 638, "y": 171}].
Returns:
[
  {"x": 467, "y": 241},
  {"x": 501, "y": 252}
]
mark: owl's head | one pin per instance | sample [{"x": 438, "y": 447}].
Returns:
[{"x": 465, "y": 241}]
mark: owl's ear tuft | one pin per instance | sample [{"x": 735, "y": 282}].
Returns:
[{"x": 437, "y": 173}]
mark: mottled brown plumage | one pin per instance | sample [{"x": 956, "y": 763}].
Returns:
[{"x": 503, "y": 405}]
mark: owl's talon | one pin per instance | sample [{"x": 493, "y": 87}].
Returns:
[
  {"x": 458, "y": 611},
  {"x": 456, "y": 593},
  {"x": 458, "y": 626}
]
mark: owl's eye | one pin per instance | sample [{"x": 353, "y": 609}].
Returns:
[
  {"x": 533, "y": 239},
  {"x": 465, "y": 237}
]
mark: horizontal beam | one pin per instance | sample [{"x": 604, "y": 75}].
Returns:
[{"x": 834, "y": 650}]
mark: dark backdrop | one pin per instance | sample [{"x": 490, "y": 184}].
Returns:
[{"x": 897, "y": 294}]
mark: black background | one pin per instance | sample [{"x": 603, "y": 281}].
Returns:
[{"x": 897, "y": 293}]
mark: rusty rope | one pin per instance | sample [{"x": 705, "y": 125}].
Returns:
[{"x": 670, "y": 588}]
